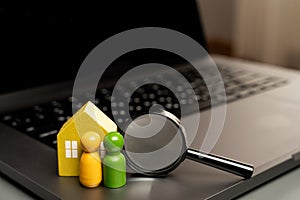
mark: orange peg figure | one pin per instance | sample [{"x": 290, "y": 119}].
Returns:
[{"x": 90, "y": 172}]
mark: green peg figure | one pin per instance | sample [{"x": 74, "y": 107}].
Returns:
[{"x": 114, "y": 163}]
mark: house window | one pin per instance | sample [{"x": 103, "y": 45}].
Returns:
[{"x": 71, "y": 149}]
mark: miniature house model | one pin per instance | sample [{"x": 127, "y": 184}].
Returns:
[{"x": 88, "y": 118}]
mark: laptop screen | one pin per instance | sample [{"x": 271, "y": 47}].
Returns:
[{"x": 47, "y": 43}]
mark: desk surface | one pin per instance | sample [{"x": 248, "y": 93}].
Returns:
[{"x": 285, "y": 187}]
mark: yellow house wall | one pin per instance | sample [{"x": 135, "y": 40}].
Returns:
[{"x": 68, "y": 166}]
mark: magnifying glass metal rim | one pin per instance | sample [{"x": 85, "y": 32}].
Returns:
[{"x": 166, "y": 170}]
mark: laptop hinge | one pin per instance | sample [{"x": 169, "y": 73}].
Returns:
[{"x": 296, "y": 156}]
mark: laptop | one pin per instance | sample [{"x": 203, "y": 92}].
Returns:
[{"x": 42, "y": 49}]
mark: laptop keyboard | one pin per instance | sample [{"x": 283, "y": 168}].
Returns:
[{"x": 43, "y": 122}]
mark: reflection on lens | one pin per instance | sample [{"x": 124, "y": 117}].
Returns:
[{"x": 153, "y": 142}]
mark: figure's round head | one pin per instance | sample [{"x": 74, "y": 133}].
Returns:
[
  {"x": 90, "y": 142},
  {"x": 113, "y": 142}
]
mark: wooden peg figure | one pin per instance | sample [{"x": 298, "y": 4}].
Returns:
[
  {"x": 114, "y": 163},
  {"x": 90, "y": 174}
]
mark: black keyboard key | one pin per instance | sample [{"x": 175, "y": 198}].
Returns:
[{"x": 49, "y": 140}]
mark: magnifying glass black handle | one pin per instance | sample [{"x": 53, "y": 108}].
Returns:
[{"x": 225, "y": 164}]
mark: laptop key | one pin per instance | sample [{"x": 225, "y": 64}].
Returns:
[
  {"x": 46, "y": 134},
  {"x": 49, "y": 140}
]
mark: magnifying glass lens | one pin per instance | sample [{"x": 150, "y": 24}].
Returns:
[{"x": 153, "y": 144}]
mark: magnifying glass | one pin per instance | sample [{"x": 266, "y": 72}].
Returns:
[{"x": 155, "y": 144}]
